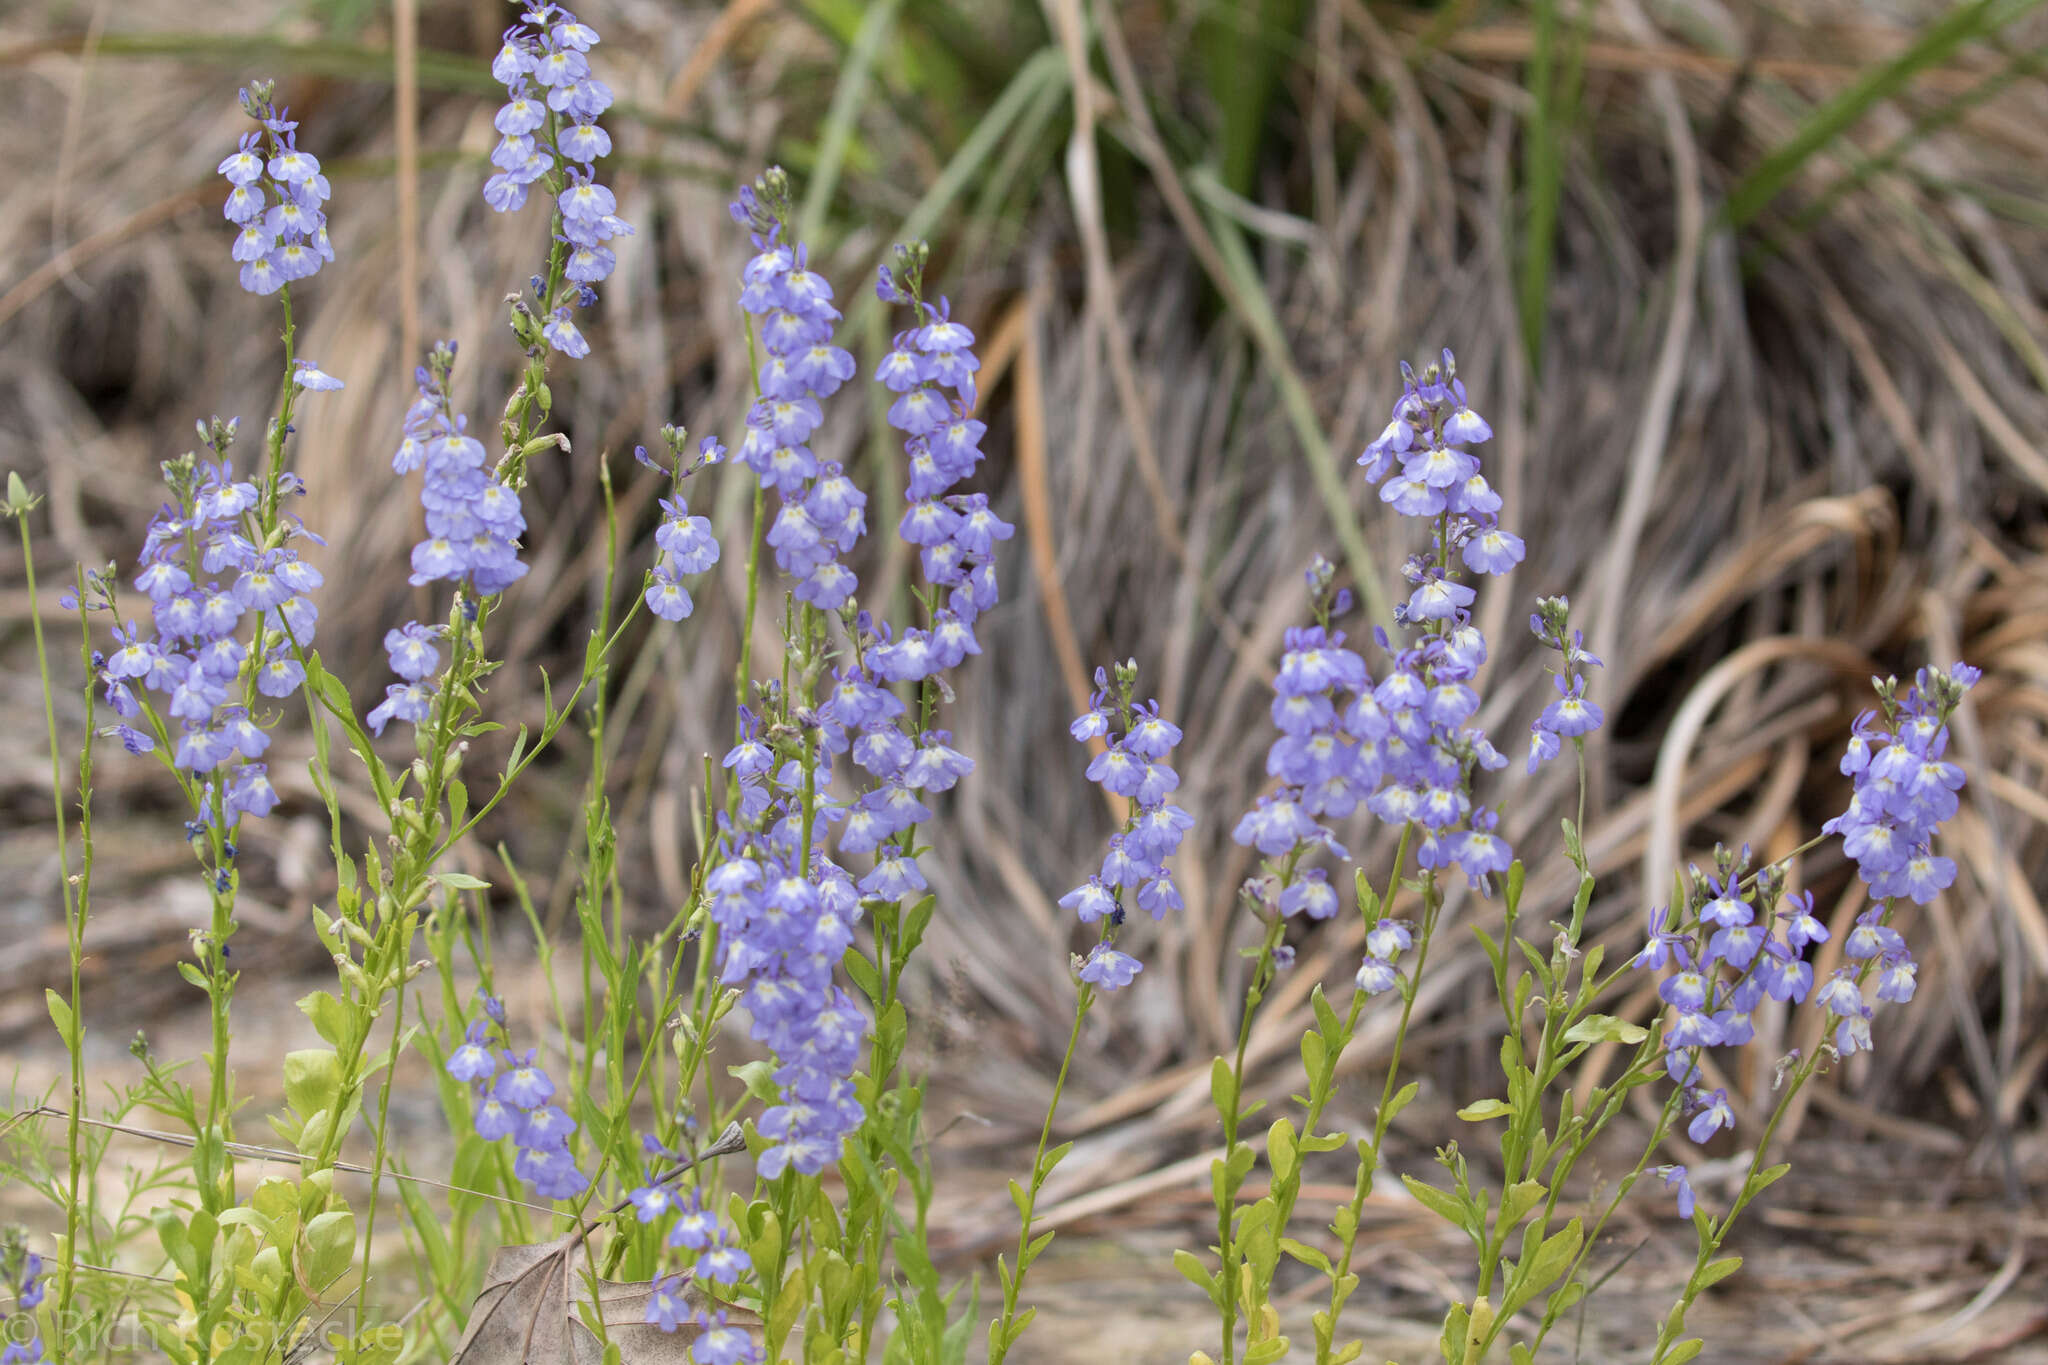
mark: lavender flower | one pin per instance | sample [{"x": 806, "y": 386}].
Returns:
[
  {"x": 512, "y": 1094},
  {"x": 782, "y": 931},
  {"x": 1754, "y": 950},
  {"x": 1109, "y": 969},
  {"x": 1132, "y": 765},
  {"x": 1571, "y": 716},
  {"x": 1905, "y": 787},
  {"x": 549, "y": 136},
  {"x": 226, "y": 618},
  {"x": 822, "y": 511},
  {"x": 473, "y": 518},
  {"x": 275, "y": 199},
  {"x": 685, "y": 542}
]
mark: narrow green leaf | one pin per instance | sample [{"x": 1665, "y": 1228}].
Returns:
[
  {"x": 1191, "y": 1268},
  {"x": 1605, "y": 1028},
  {"x": 1315, "y": 1258},
  {"x": 1937, "y": 43},
  {"x": 1717, "y": 1271},
  {"x": 1443, "y": 1204},
  {"x": 1222, "y": 1086},
  {"x": 62, "y": 1017},
  {"x": 1482, "y": 1110}
]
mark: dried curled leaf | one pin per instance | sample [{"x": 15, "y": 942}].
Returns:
[
  {"x": 536, "y": 1302},
  {"x": 539, "y": 1302}
]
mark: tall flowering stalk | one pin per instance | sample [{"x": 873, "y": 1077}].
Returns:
[{"x": 1132, "y": 765}]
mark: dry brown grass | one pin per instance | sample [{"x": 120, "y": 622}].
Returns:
[{"x": 1762, "y": 466}]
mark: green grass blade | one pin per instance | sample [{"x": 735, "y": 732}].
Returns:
[
  {"x": 2033, "y": 62},
  {"x": 1941, "y": 41},
  {"x": 1543, "y": 181},
  {"x": 847, "y": 98},
  {"x": 1258, "y": 318}
]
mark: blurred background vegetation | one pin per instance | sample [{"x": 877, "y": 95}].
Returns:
[{"x": 1751, "y": 290}]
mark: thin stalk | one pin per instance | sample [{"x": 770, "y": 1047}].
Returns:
[
  {"x": 74, "y": 915},
  {"x": 1226, "y": 1208},
  {"x": 1362, "y": 1188},
  {"x": 999, "y": 1331}
]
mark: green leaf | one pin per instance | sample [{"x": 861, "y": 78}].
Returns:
[
  {"x": 1440, "y": 1202},
  {"x": 312, "y": 1080},
  {"x": 1052, "y": 1159},
  {"x": 1485, "y": 1109},
  {"x": 1282, "y": 1152},
  {"x": 1327, "y": 1022},
  {"x": 1717, "y": 1271},
  {"x": 461, "y": 881},
  {"x": 1315, "y": 1258},
  {"x": 1266, "y": 1352},
  {"x": 1222, "y": 1087},
  {"x": 60, "y": 1009},
  {"x": 1491, "y": 945},
  {"x": 1582, "y": 898},
  {"x": 329, "y": 1016},
  {"x": 241, "y": 1215},
  {"x": 1313, "y": 1051},
  {"x": 1770, "y": 1176},
  {"x": 1191, "y": 1268},
  {"x": 1605, "y": 1028},
  {"x": 330, "y": 1247},
  {"x": 863, "y": 974},
  {"x": 1519, "y": 1199},
  {"x": 1551, "y": 1260},
  {"x": 1517, "y": 874},
  {"x": 758, "y": 1077},
  {"x": 1684, "y": 1351},
  {"x": 1452, "y": 1342},
  {"x": 1402, "y": 1098}
]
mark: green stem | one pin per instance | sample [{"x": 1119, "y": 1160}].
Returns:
[
  {"x": 1226, "y": 1204},
  {"x": 377, "y": 1160},
  {"x": 74, "y": 910},
  {"x": 1000, "y": 1332},
  {"x": 1368, "y": 1161}
]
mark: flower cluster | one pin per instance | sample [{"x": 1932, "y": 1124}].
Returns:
[
  {"x": 717, "y": 1259},
  {"x": 1132, "y": 765},
  {"x": 512, "y": 1095},
  {"x": 1414, "y": 719},
  {"x": 930, "y": 369},
  {"x": 1571, "y": 716},
  {"x": 229, "y": 608},
  {"x": 473, "y": 524},
  {"x": 1737, "y": 947},
  {"x": 275, "y": 198},
  {"x": 822, "y": 512},
  {"x": 685, "y": 542},
  {"x": 1905, "y": 788},
  {"x": 783, "y": 930},
  {"x": 24, "y": 1276},
  {"x": 549, "y": 135},
  {"x": 1399, "y": 746},
  {"x": 1726, "y": 963},
  {"x": 1440, "y": 479},
  {"x": 1384, "y": 944}
]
